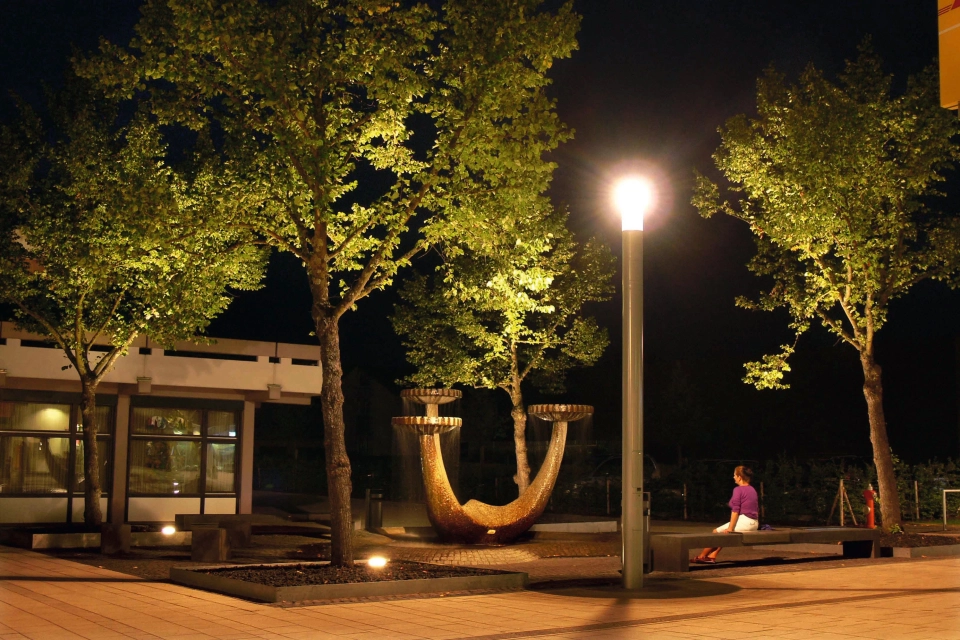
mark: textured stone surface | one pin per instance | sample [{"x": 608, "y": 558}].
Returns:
[
  {"x": 209, "y": 544},
  {"x": 239, "y": 533},
  {"x": 114, "y": 538}
]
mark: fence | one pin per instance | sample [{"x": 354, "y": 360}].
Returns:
[{"x": 793, "y": 492}]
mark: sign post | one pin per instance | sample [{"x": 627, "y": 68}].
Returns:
[{"x": 948, "y": 24}]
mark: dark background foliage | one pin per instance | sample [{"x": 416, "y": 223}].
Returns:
[{"x": 647, "y": 90}]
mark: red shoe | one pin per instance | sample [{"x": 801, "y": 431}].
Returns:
[{"x": 703, "y": 560}]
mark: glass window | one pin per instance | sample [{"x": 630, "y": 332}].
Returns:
[
  {"x": 164, "y": 466},
  {"x": 34, "y": 464},
  {"x": 167, "y": 422},
  {"x": 222, "y": 423},
  {"x": 34, "y": 416},
  {"x": 103, "y": 460},
  {"x": 105, "y": 418},
  {"x": 220, "y": 464}
]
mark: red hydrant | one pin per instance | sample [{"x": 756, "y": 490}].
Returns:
[{"x": 868, "y": 496}]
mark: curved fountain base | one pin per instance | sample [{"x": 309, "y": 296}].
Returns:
[{"x": 477, "y": 522}]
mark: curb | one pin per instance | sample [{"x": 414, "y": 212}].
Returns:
[{"x": 941, "y": 551}]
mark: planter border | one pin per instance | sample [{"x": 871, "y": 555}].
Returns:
[
  {"x": 90, "y": 540},
  {"x": 194, "y": 577},
  {"x": 938, "y": 551}
]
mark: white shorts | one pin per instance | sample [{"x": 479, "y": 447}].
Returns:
[{"x": 743, "y": 524}]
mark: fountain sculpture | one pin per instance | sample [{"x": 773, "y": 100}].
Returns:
[{"x": 477, "y": 522}]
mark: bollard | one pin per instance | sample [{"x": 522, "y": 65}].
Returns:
[
  {"x": 868, "y": 496},
  {"x": 375, "y": 512}
]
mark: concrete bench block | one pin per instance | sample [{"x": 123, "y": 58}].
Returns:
[
  {"x": 765, "y": 537},
  {"x": 671, "y": 551},
  {"x": 209, "y": 544},
  {"x": 114, "y": 539},
  {"x": 239, "y": 532}
]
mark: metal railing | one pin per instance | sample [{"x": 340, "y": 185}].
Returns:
[{"x": 945, "y": 492}]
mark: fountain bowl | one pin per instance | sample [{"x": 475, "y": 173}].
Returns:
[
  {"x": 431, "y": 396},
  {"x": 560, "y": 412},
  {"x": 427, "y": 425}
]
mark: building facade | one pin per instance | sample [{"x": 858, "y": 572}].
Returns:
[{"x": 175, "y": 428}]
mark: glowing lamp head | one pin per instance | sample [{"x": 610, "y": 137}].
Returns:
[
  {"x": 377, "y": 562},
  {"x": 168, "y": 530},
  {"x": 633, "y": 197}
]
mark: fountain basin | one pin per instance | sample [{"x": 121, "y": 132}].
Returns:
[
  {"x": 427, "y": 425},
  {"x": 560, "y": 412},
  {"x": 431, "y": 396}
]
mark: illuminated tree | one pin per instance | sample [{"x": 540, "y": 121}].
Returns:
[
  {"x": 100, "y": 239},
  {"x": 509, "y": 310},
  {"x": 371, "y": 129},
  {"x": 834, "y": 181}
]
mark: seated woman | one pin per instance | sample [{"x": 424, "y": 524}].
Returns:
[{"x": 744, "y": 511}]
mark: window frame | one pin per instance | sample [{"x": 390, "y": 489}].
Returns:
[
  {"x": 204, "y": 439},
  {"x": 73, "y": 434}
]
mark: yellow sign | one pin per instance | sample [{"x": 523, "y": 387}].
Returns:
[{"x": 949, "y": 25}]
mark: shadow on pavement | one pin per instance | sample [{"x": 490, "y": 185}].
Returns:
[{"x": 653, "y": 589}]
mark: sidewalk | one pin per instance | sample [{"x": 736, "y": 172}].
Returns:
[{"x": 51, "y": 598}]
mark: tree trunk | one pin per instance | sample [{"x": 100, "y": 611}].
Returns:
[
  {"x": 339, "y": 487},
  {"x": 882, "y": 456},
  {"x": 92, "y": 516},
  {"x": 519, "y": 415}
]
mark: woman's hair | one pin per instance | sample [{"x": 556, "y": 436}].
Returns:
[{"x": 744, "y": 472}]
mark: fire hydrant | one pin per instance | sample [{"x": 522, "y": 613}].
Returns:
[{"x": 869, "y": 496}]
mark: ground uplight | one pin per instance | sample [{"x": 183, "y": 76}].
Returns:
[
  {"x": 377, "y": 562},
  {"x": 168, "y": 530}
]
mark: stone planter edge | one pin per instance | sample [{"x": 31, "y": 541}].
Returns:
[
  {"x": 941, "y": 551},
  {"x": 193, "y": 577}
]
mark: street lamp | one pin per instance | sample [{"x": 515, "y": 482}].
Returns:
[{"x": 633, "y": 197}]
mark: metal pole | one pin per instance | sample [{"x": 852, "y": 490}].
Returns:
[
  {"x": 632, "y": 557},
  {"x": 916, "y": 500},
  {"x": 841, "y": 502}
]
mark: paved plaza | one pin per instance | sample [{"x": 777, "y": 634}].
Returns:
[{"x": 51, "y": 598}]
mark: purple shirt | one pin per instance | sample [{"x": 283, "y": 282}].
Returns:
[{"x": 745, "y": 502}]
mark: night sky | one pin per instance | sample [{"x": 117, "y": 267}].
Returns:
[{"x": 651, "y": 83}]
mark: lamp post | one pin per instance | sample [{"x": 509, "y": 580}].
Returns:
[{"x": 633, "y": 197}]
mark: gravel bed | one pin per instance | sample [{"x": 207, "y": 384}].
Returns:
[
  {"x": 299, "y": 575},
  {"x": 916, "y": 540}
]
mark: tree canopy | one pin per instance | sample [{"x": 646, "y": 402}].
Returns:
[
  {"x": 101, "y": 240},
  {"x": 511, "y": 312},
  {"x": 369, "y": 130},
  {"x": 835, "y": 181}
]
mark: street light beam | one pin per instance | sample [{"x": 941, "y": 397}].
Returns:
[{"x": 633, "y": 198}]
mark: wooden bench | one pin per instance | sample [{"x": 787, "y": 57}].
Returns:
[{"x": 671, "y": 551}]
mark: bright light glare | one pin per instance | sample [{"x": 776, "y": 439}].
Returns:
[
  {"x": 168, "y": 530},
  {"x": 377, "y": 562},
  {"x": 633, "y": 197}
]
